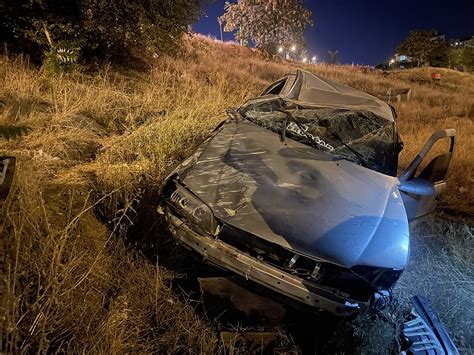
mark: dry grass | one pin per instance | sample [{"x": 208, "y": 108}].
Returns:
[
  {"x": 100, "y": 138},
  {"x": 71, "y": 285}
]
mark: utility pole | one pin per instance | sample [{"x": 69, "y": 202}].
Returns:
[{"x": 220, "y": 26}]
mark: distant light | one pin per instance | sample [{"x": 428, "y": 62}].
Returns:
[
  {"x": 457, "y": 43},
  {"x": 293, "y": 48},
  {"x": 280, "y": 49},
  {"x": 305, "y": 60},
  {"x": 392, "y": 61},
  {"x": 314, "y": 59}
]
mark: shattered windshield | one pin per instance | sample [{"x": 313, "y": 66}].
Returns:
[{"x": 359, "y": 136}]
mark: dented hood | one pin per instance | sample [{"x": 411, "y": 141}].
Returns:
[{"x": 300, "y": 198}]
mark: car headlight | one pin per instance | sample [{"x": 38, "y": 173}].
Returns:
[{"x": 196, "y": 212}]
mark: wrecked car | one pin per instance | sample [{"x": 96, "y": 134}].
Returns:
[{"x": 299, "y": 191}]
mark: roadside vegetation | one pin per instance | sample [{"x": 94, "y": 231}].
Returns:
[
  {"x": 100, "y": 142},
  {"x": 430, "y": 47}
]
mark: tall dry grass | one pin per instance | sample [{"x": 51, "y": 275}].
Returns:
[{"x": 102, "y": 140}]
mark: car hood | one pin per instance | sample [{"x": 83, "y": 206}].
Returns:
[{"x": 300, "y": 198}]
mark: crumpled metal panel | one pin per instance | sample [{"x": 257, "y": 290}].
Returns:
[
  {"x": 425, "y": 331},
  {"x": 318, "y": 90},
  {"x": 301, "y": 198},
  {"x": 309, "y": 88}
]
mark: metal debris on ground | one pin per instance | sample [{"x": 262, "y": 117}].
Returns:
[{"x": 399, "y": 94}]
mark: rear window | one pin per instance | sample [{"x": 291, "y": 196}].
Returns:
[{"x": 275, "y": 88}]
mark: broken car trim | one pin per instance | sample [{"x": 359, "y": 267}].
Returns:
[{"x": 230, "y": 258}]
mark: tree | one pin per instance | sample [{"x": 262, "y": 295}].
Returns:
[
  {"x": 462, "y": 58},
  {"x": 303, "y": 56},
  {"x": 111, "y": 29},
  {"x": 420, "y": 45},
  {"x": 23, "y": 23},
  {"x": 145, "y": 24},
  {"x": 438, "y": 56},
  {"x": 268, "y": 24},
  {"x": 333, "y": 57}
]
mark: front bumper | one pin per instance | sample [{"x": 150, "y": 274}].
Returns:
[{"x": 230, "y": 258}]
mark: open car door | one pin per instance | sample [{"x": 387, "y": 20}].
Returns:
[{"x": 419, "y": 192}]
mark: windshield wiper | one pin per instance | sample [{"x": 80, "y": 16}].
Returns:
[
  {"x": 316, "y": 144},
  {"x": 359, "y": 156}
]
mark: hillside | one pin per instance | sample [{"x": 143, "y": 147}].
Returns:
[{"x": 101, "y": 142}]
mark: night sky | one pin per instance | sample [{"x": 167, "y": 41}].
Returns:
[{"x": 366, "y": 32}]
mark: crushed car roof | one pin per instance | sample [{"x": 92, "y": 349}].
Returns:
[{"x": 310, "y": 88}]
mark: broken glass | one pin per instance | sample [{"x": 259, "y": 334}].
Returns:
[{"x": 359, "y": 136}]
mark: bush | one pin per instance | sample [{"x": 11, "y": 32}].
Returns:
[{"x": 109, "y": 29}]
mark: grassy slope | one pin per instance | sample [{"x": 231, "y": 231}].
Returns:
[{"x": 99, "y": 139}]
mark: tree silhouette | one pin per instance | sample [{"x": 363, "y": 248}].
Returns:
[
  {"x": 419, "y": 45},
  {"x": 333, "y": 57}
]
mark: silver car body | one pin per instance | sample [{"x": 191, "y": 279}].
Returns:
[
  {"x": 255, "y": 205},
  {"x": 298, "y": 197}
]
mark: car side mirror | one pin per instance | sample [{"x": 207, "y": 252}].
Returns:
[{"x": 418, "y": 186}]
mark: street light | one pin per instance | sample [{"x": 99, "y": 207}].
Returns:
[
  {"x": 392, "y": 61},
  {"x": 293, "y": 48},
  {"x": 305, "y": 60},
  {"x": 280, "y": 49},
  {"x": 314, "y": 59}
]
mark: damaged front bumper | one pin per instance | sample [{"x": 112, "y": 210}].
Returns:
[{"x": 230, "y": 258}]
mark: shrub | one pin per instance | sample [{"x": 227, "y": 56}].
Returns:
[{"x": 109, "y": 29}]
